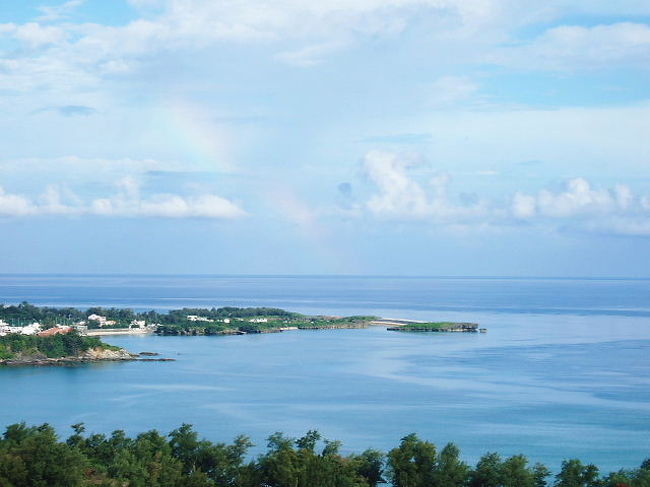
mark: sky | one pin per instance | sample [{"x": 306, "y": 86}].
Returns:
[{"x": 374, "y": 137}]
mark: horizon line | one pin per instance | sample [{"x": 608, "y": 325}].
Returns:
[{"x": 331, "y": 276}]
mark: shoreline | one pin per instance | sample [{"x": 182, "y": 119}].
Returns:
[{"x": 117, "y": 331}]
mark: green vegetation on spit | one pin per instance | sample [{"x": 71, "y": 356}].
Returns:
[
  {"x": 72, "y": 344},
  {"x": 252, "y": 320},
  {"x": 34, "y": 456}
]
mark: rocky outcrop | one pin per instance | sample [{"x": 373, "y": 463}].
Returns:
[
  {"x": 98, "y": 354},
  {"x": 107, "y": 354}
]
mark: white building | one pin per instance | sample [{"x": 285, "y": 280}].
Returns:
[
  {"x": 199, "y": 318},
  {"x": 32, "y": 329},
  {"x": 101, "y": 320}
]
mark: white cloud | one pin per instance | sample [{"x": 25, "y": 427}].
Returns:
[
  {"x": 579, "y": 206},
  {"x": 578, "y": 199},
  {"x": 569, "y": 47},
  {"x": 128, "y": 202},
  {"x": 399, "y": 196},
  {"x": 15, "y": 205},
  {"x": 76, "y": 57},
  {"x": 56, "y": 12},
  {"x": 35, "y": 35}
]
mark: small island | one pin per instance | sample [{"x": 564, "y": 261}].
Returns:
[{"x": 440, "y": 326}]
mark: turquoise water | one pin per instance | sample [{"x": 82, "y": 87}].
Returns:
[{"x": 563, "y": 371}]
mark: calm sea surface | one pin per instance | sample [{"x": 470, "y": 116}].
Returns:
[{"x": 564, "y": 370}]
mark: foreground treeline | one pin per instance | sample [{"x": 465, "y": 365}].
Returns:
[{"x": 34, "y": 456}]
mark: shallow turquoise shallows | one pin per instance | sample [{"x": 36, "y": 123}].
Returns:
[{"x": 564, "y": 370}]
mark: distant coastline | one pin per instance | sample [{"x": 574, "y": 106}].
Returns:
[{"x": 27, "y": 319}]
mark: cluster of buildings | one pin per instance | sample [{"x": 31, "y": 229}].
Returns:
[
  {"x": 33, "y": 329},
  {"x": 205, "y": 320},
  {"x": 102, "y": 321},
  {"x": 199, "y": 318},
  {"x": 225, "y": 320}
]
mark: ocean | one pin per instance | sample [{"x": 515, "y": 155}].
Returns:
[{"x": 563, "y": 372}]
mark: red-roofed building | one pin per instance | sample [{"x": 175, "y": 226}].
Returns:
[{"x": 57, "y": 330}]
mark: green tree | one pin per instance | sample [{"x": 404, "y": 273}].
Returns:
[
  {"x": 33, "y": 456},
  {"x": 540, "y": 474},
  {"x": 450, "y": 470},
  {"x": 487, "y": 472},
  {"x": 515, "y": 472},
  {"x": 574, "y": 474},
  {"x": 412, "y": 463},
  {"x": 370, "y": 466}
]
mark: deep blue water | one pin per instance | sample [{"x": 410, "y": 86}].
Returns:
[{"x": 564, "y": 370}]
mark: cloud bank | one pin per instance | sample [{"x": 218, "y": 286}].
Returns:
[
  {"x": 126, "y": 203},
  {"x": 577, "y": 205}
]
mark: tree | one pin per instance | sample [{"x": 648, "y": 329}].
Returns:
[
  {"x": 412, "y": 463},
  {"x": 487, "y": 472},
  {"x": 540, "y": 473},
  {"x": 574, "y": 474},
  {"x": 515, "y": 472},
  {"x": 450, "y": 471},
  {"x": 370, "y": 466},
  {"x": 33, "y": 456}
]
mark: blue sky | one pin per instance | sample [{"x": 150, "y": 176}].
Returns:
[{"x": 407, "y": 137}]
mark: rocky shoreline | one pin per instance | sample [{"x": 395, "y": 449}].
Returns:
[{"x": 89, "y": 356}]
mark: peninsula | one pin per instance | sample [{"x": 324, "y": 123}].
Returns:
[{"x": 27, "y": 319}]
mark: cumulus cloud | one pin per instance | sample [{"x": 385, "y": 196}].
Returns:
[
  {"x": 578, "y": 199},
  {"x": 127, "y": 202},
  {"x": 399, "y": 196},
  {"x": 15, "y": 205},
  {"x": 578, "y": 205}
]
